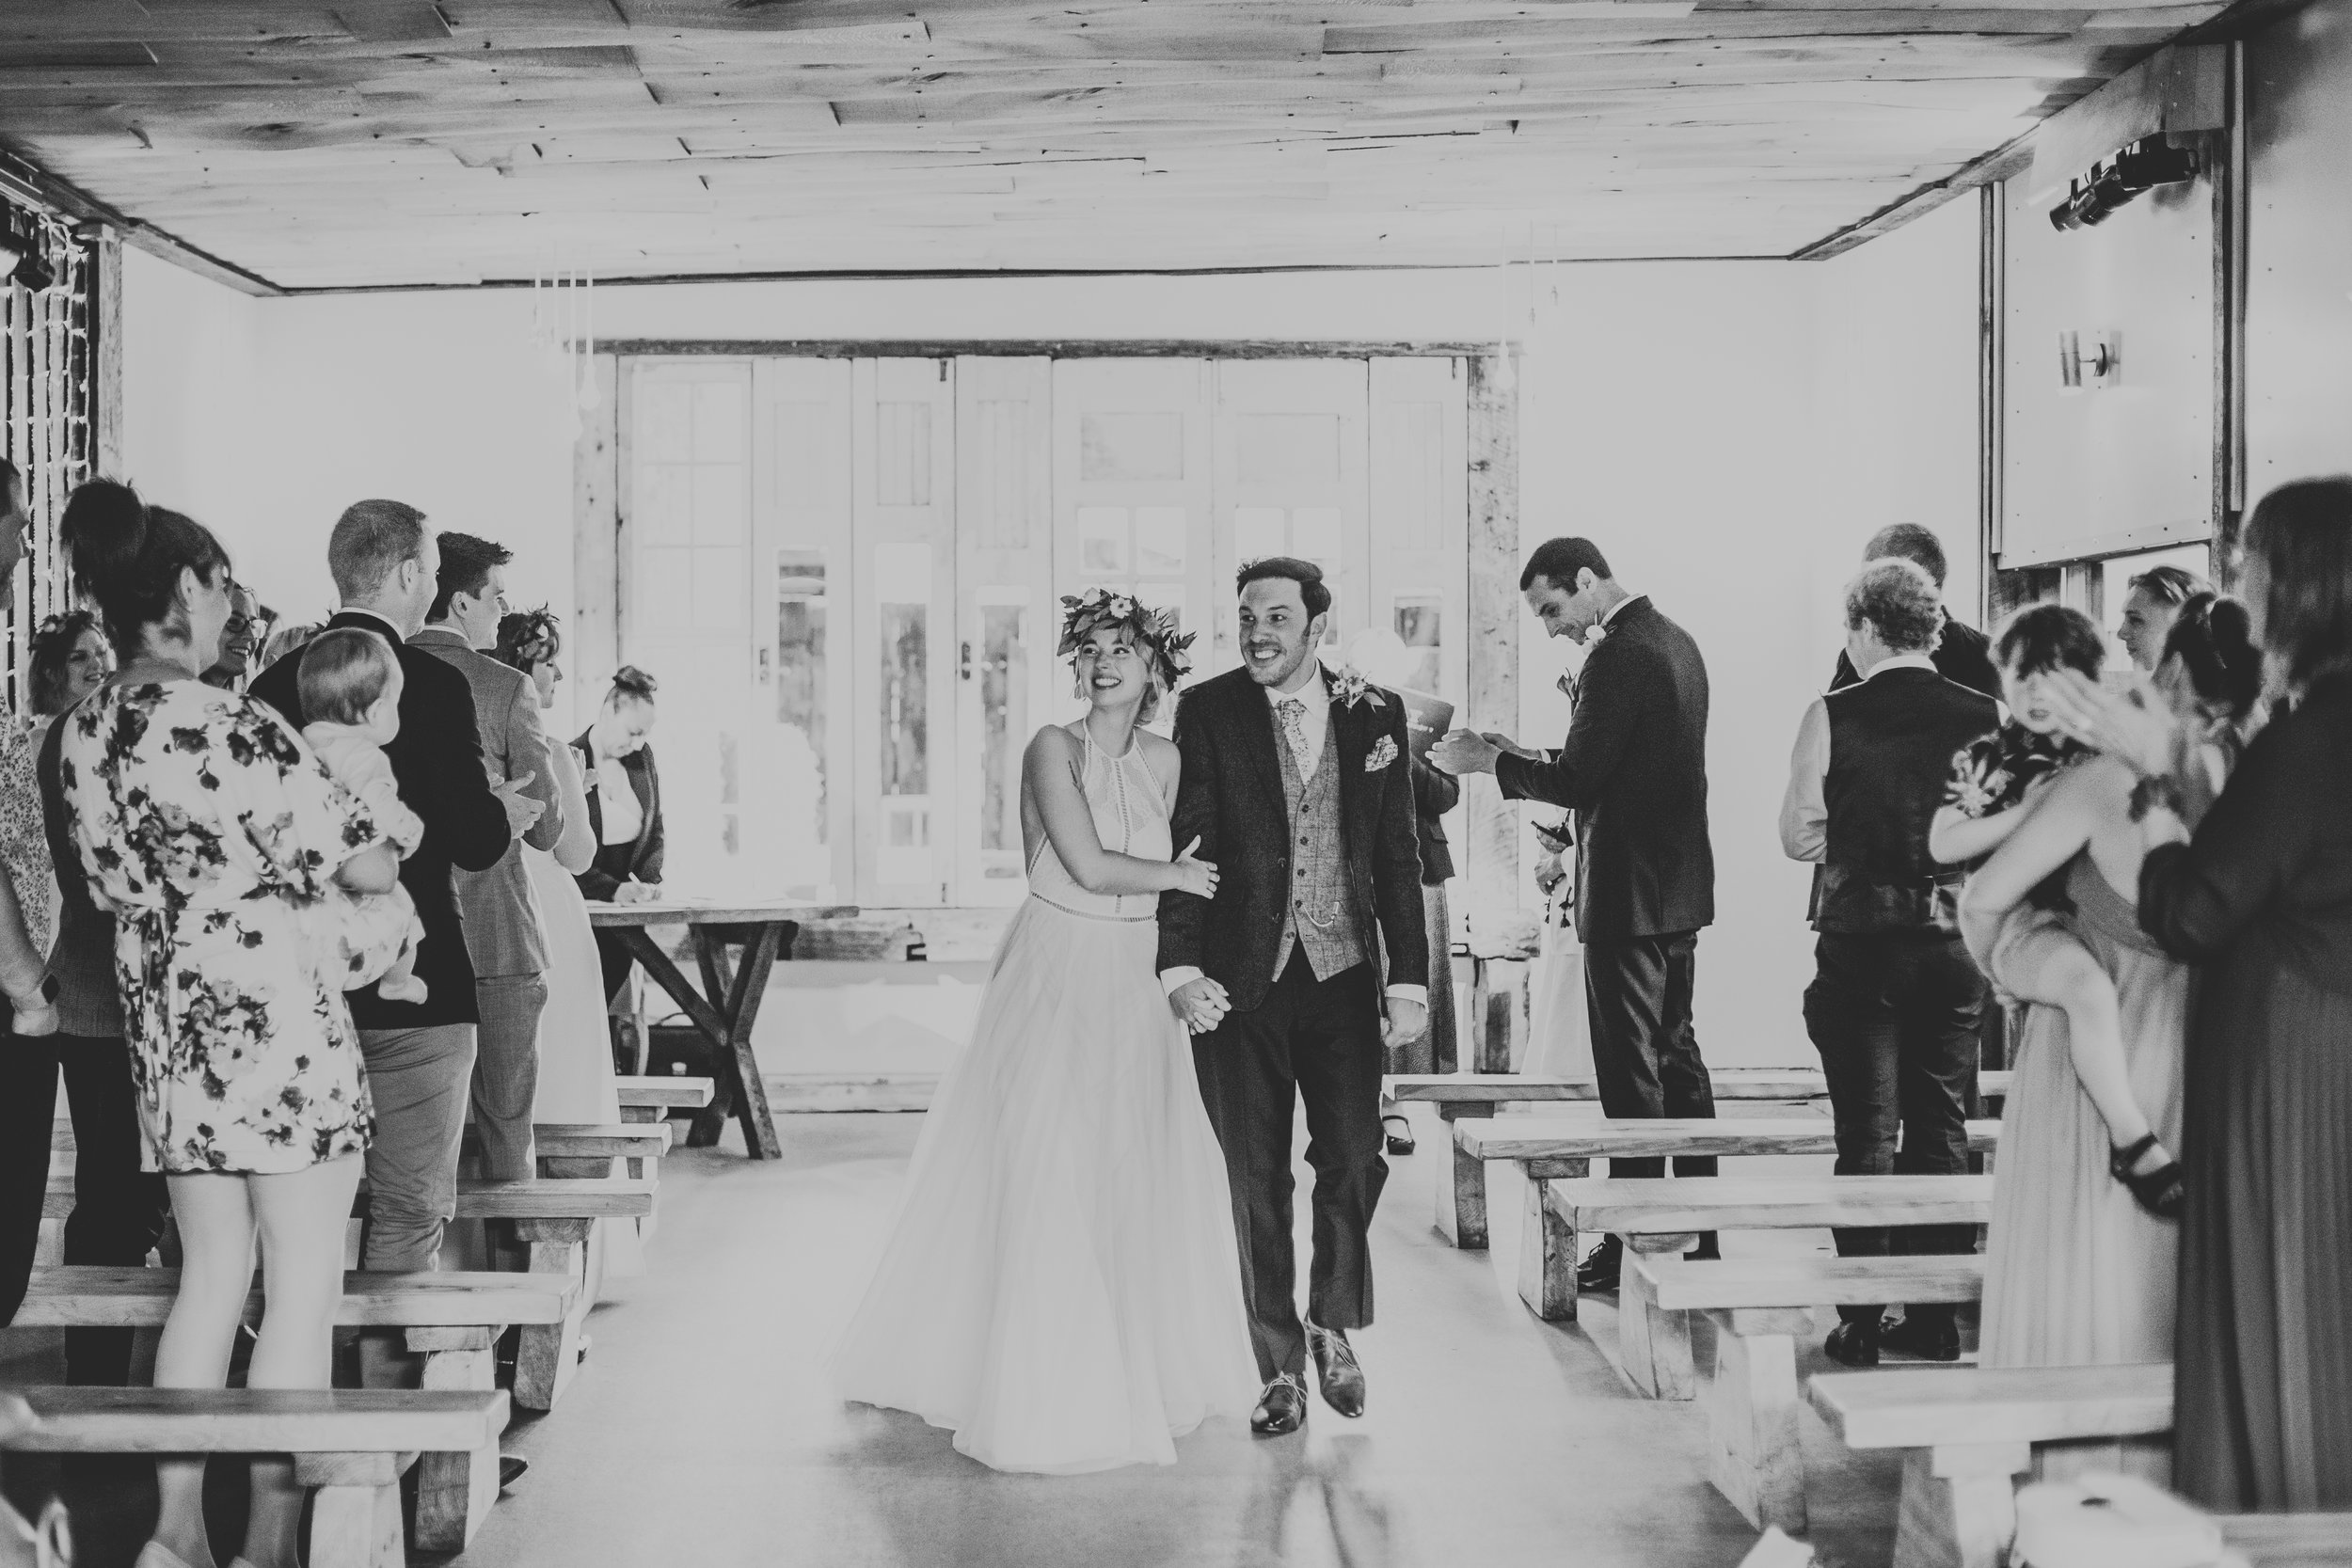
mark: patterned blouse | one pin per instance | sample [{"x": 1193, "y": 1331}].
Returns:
[
  {"x": 24, "y": 842},
  {"x": 1992, "y": 775},
  {"x": 213, "y": 833}
]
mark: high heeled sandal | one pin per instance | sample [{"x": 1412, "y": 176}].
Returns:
[
  {"x": 2159, "y": 1191},
  {"x": 1398, "y": 1133}
]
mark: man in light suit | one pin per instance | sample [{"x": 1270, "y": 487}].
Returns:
[
  {"x": 1634, "y": 770},
  {"x": 502, "y": 932}
]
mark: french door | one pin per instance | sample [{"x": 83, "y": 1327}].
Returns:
[{"x": 846, "y": 574}]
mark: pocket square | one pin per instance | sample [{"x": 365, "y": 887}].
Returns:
[{"x": 1383, "y": 754}]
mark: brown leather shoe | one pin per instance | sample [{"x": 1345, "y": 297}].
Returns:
[
  {"x": 1281, "y": 1409},
  {"x": 1335, "y": 1359}
]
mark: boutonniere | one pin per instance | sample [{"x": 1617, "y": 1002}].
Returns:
[
  {"x": 1595, "y": 634},
  {"x": 1350, "y": 688},
  {"x": 1383, "y": 752}
]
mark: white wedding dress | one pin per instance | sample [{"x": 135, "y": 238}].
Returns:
[{"x": 1061, "y": 1288}]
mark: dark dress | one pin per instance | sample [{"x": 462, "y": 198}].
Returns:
[
  {"x": 2262, "y": 899},
  {"x": 641, "y": 858}
]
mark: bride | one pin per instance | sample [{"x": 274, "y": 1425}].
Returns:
[{"x": 1062, "y": 1288}]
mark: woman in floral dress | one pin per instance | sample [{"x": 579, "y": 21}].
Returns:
[{"x": 213, "y": 834}]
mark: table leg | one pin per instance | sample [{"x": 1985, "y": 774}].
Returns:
[
  {"x": 741, "y": 1000},
  {"x": 703, "y": 1130}
]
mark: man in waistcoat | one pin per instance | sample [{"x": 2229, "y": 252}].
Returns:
[
  {"x": 1894, "y": 1000},
  {"x": 1299, "y": 785}
]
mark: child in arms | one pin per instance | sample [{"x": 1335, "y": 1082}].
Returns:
[{"x": 351, "y": 683}]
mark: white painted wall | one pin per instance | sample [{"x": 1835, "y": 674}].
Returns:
[{"x": 1730, "y": 432}]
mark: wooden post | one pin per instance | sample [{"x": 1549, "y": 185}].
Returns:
[
  {"x": 1491, "y": 856},
  {"x": 1653, "y": 1344},
  {"x": 1960, "y": 1505},
  {"x": 1754, "y": 1457},
  {"x": 355, "y": 1516},
  {"x": 1548, "y": 1243},
  {"x": 455, "y": 1491},
  {"x": 1462, "y": 1186},
  {"x": 106, "y": 365},
  {"x": 594, "y": 641},
  {"x": 547, "y": 1354}
]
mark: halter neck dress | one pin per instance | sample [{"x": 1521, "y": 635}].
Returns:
[
  {"x": 1061, "y": 1288},
  {"x": 2076, "y": 1273}
]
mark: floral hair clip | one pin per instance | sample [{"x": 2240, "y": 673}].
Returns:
[{"x": 1084, "y": 614}]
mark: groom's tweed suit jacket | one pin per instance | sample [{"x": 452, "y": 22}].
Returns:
[{"x": 1232, "y": 797}]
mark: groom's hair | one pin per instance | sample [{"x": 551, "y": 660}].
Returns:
[
  {"x": 1312, "y": 591},
  {"x": 1558, "y": 561}
]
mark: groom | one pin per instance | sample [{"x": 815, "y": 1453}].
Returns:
[{"x": 1299, "y": 785}]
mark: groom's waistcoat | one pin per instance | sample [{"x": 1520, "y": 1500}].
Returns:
[{"x": 1323, "y": 918}]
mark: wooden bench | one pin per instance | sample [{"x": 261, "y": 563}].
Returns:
[
  {"x": 576, "y": 1150},
  {"x": 349, "y": 1446},
  {"x": 2289, "y": 1540},
  {"x": 1548, "y": 1149},
  {"x": 1462, "y": 1200},
  {"x": 1664, "y": 1216},
  {"x": 452, "y": 1319},
  {"x": 553, "y": 1219},
  {"x": 644, "y": 1099},
  {"x": 1759, "y": 1307},
  {"x": 1969, "y": 1433}
]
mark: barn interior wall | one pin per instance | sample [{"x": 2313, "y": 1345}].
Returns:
[{"x": 1730, "y": 431}]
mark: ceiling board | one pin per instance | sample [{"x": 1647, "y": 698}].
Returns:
[{"x": 365, "y": 143}]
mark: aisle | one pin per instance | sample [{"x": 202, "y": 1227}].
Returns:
[{"x": 702, "y": 1429}]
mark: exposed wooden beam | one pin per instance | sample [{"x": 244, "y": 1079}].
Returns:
[
  {"x": 30, "y": 183},
  {"x": 1052, "y": 348}
]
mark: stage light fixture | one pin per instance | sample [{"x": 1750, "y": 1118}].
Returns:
[{"x": 2094, "y": 197}]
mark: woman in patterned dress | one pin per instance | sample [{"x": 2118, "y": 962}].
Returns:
[{"x": 213, "y": 834}]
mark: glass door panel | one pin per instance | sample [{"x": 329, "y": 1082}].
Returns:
[
  {"x": 797, "y": 739},
  {"x": 1291, "y": 479},
  {"x": 905, "y": 682},
  {"x": 687, "y": 603},
  {"x": 1004, "y": 609},
  {"x": 1131, "y": 455}
]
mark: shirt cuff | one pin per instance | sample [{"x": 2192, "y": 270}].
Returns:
[
  {"x": 1417, "y": 994},
  {"x": 1174, "y": 980}
]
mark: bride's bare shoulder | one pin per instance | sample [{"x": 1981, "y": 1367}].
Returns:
[{"x": 1161, "y": 752}]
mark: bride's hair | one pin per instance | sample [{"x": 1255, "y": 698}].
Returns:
[{"x": 1154, "y": 631}]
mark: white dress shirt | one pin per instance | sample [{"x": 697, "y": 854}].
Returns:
[
  {"x": 620, "y": 815},
  {"x": 1803, "y": 811},
  {"x": 1316, "y": 725}
]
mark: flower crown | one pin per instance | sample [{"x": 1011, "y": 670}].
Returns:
[{"x": 1084, "y": 614}]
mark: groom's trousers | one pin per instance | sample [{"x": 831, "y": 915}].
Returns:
[{"x": 1319, "y": 1040}]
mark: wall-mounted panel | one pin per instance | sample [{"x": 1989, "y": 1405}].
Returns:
[
  {"x": 2299, "y": 289},
  {"x": 2127, "y": 466}
]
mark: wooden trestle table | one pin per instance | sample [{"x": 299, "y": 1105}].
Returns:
[{"x": 728, "y": 1004}]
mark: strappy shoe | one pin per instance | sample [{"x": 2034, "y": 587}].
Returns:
[
  {"x": 2161, "y": 1190},
  {"x": 1398, "y": 1131}
]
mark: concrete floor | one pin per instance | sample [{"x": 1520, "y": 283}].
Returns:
[{"x": 701, "y": 1430}]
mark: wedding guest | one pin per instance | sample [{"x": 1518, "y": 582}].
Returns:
[
  {"x": 1634, "y": 770},
  {"x": 1964, "y": 654},
  {"x": 1559, "y": 1032},
  {"x": 286, "y": 639},
  {"x": 624, "y": 808},
  {"x": 384, "y": 556},
  {"x": 2150, "y": 608},
  {"x": 119, "y": 1209},
  {"x": 2080, "y": 1269},
  {"x": 503, "y": 935},
  {"x": 69, "y": 660},
  {"x": 2260, "y": 898},
  {"x": 240, "y": 639},
  {"x": 1895, "y": 1002},
  {"x": 252, "y": 1099}
]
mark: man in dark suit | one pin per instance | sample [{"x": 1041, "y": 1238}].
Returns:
[
  {"x": 419, "y": 1054},
  {"x": 1634, "y": 770},
  {"x": 1964, "y": 655},
  {"x": 1297, "y": 782},
  {"x": 1894, "y": 1000}
]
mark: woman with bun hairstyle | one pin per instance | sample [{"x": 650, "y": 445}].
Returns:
[
  {"x": 624, "y": 808},
  {"x": 211, "y": 833}
]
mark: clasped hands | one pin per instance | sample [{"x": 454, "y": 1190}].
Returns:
[{"x": 1200, "y": 1005}]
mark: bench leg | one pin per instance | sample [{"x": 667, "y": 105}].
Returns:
[
  {"x": 1547, "y": 1249},
  {"x": 639, "y": 1115},
  {"x": 1960, "y": 1505},
  {"x": 455, "y": 1491},
  {"x": 1753, "y": 1456},
  {"x": 1654, "y": 1344},
  {"x": 354, "y": 1509},
  {"x": 547, "y": 1354},
  {"x": 1462, "y": 1193}
]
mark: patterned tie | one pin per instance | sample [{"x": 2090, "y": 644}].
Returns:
[{"x": 1293, "y": 713}]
